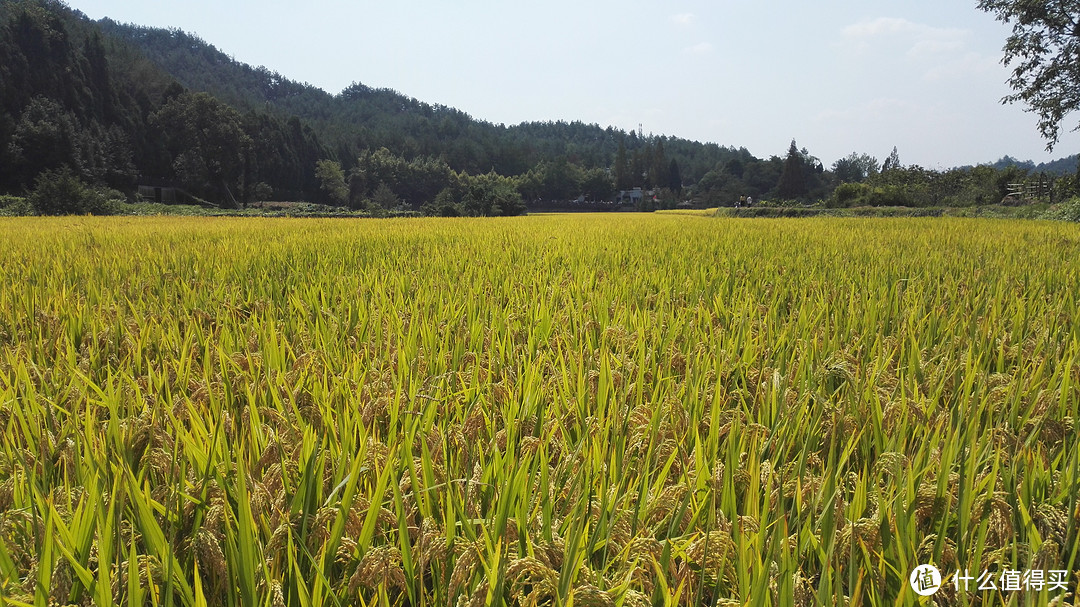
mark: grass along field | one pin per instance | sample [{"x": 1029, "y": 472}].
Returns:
[{"x": 587, "y": 410}]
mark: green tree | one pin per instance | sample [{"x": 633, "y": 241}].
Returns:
[
  {"x": 416, "y": 181},
  {"x": 735, "y": 167},
  {"x": 491, "y": 194},
  {"x": 262, "y": 191},
  {"x": 1044, "y": 50},
  {"x": 1068, "y": 186},
  {"x": 761, "y": 176},
  {"x": 43, "y": 138},
  {"x": 597, "y": 185},
  {"x": 658, "y": 167},
  {"x": 892, "y": 162},
  {"x": 674, "y": 177},
  {"x": 332, "y": 180},
  {"x": 847, "y": 194},
  {"x": 208, "y": 144},
  {"x": 1009, "y": 175},
  {"x": 531, "y": 184},
  {"x": 793, "y": 176},
  {"x": 61, "y": 192},
  {"x": 384, "y": 198},
  {"x": 560, "y": 179},
  {"x": 623, "y": 179},
  {"x": 443, "y": 205},
  {"x": 357, "y": 190},
  {"x": 855, "y": 168}
]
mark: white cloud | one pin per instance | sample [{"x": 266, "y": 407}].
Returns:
[
  {"x": 962, "y": 67},
  {"x": 683, "y": 19},
  {"x": 930, "y": 47},
  {"x": 699, "y": 49},
  {"x": 937, "y": 54},
  {"x": 869, "y": 112},
  {"x": 922, "y": 41},
  {"x": 877, "y": 27}
]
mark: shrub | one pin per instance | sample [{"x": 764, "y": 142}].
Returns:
[
  {"x": 261, "y": 192},
  {"x": 384, "y": 198},
  {"x": 889, "y": 196},
  {"x": 768, "y": 212},
  {"x": 14, "y": 205},
  {"x": 61, "y": 192},
  {"x": 1066, "y": 211},
  {"x": 491, "y": 195},
  {"x": 444, "y": 205},
  {"x": 847, "y": 195}
]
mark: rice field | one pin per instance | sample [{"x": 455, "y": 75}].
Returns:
[{"x": 615, "y": 410}]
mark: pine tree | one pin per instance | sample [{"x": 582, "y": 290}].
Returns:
[
  {"x": 892, "y": 162},
  {"x": 793, "y": 176},
  {"x": 384, "y": 198},
  {"x": 658, "y": 168},
  {"x": 622, "y": 168},
  {"x": 674, "y": 180}
]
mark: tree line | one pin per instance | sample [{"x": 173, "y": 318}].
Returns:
[
  {"x": 860, "y": 179},
  {"x": 117, "y": 105},
  {"x": 114, "y": 106}
]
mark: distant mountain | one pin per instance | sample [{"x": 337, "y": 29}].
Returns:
[
  {"x": 127, "y": 106},
  {"x": 1061, "y": 166},
  {"x": 75, "y": 97},
  {"x": 92, "y": 96},
  {"x": 362, "y": 117}
]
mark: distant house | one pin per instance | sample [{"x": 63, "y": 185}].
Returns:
[
  {"x": 157, "y": 190},
  {"x": 158, "y": 194},
  {"x": 633, "y": 196}
]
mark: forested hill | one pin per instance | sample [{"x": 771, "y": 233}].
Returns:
[
  {"x": 123, "y": 106},
  {"x": 362, "y": 117},
  {"x": 76, "y": 99}
]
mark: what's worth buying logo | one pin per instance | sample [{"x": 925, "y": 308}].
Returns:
[{"x": 926, "y": 580}]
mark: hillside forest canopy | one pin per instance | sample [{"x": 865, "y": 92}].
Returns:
[{"x": 117, "y": 111}]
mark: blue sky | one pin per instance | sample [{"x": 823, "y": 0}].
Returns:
[{"x": 838, "y": 76}]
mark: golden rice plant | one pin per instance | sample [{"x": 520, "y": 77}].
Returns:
[{"x": 589, "y": 410}]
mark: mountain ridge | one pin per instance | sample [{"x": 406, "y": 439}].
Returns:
[
  {"x": 292, "y": 89},
  {"x": 1061, "y": 166},
  {"x": 413, "y": 126}
]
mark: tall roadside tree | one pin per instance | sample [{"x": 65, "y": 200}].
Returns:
[
  {"x": 793, "y": 177},
  {"x": 1044, "y": 50}
]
